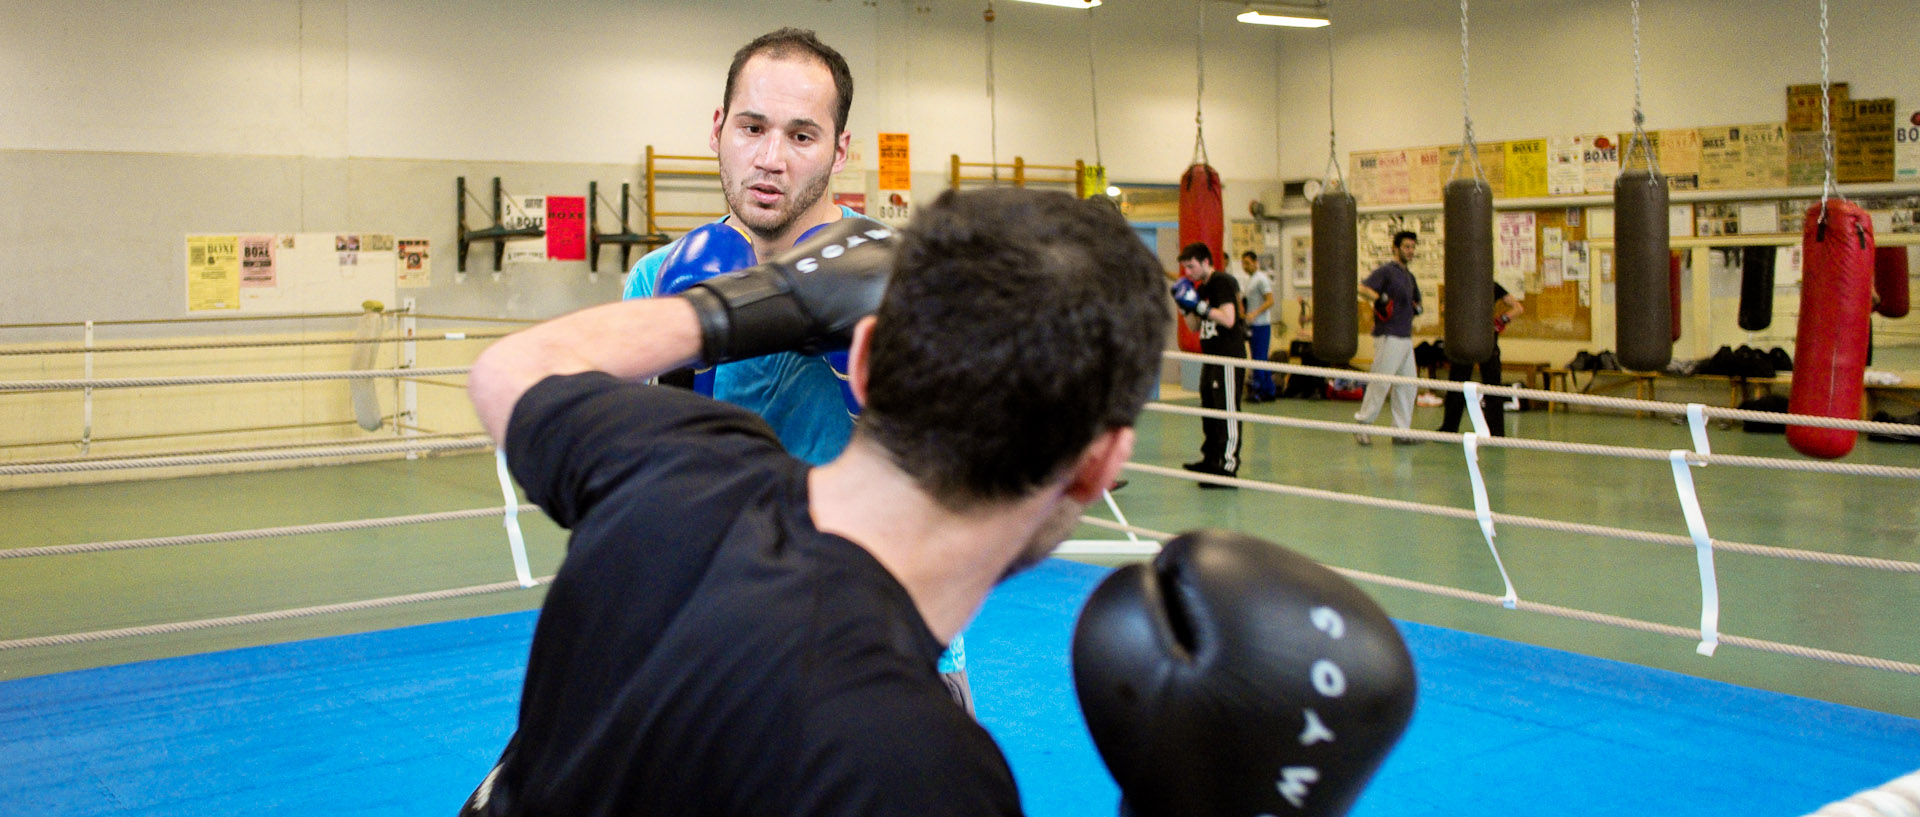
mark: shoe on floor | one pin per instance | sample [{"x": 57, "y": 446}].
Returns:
[
  {"x": 1406, "y": 441},
  {"x": 1196, "y": 465},
  {"x": 1217, "y": 486},
  {"x": 1362, "y": 438}
]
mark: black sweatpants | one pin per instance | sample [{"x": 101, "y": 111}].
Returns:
[
  {"x": 1456, "y": 403},
  {"x": 1220, "y": 450}
]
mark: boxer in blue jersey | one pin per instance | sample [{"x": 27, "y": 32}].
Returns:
[{"x": 780, "y": 134}]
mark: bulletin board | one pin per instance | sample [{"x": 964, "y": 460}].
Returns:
[{"x": 290, "y": 273}]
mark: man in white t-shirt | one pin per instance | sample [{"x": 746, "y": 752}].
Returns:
[{"x": 1257, "y": 285}]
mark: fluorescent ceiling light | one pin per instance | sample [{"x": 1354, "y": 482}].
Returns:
[
  {"x": 1266, "y": 14},
  {"x": 1071, "y": 4}
]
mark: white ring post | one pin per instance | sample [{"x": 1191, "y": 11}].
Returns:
[{"x": 515, "y": 540}]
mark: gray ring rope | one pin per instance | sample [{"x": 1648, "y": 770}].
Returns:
[
  {"x": 259, "y": 618},
  {"x": 256, "y": 344},
  {"x": 292, "y": 377},
  {"x": 281, "y": 532},
  {"x": 129, "y": 463}
]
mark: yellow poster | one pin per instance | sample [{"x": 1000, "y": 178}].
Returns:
[
  {"x": 213, "y": 272},
  {"x": 1093, "y": 181},
  {"x": 1723, "y": 159},
  {"x": 896, "y": 171},
  {"x": 1526, "y": 168},
  {"x": 1863, "y": 141},
  {"x": 1766, "y": 149},
  {"x": 1493, "y": 165},
  {"x": 1363, "y": 177}
]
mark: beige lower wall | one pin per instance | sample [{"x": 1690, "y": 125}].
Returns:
[{"x": 37, "y": 426}]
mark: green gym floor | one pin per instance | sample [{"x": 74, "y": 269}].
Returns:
[{"x": 1851, "y": 610}]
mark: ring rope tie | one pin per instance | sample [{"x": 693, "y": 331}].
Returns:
[
  {"x": 1703, "y": 551},
  {"x": 1482, "y": 508},
  {"x": 1483, "y": 513},
  {"x": 261, "y": 618},
  {"x": 212, "y": 380},
  {"x": 516, "y": 542},
  {"x": 1760, "y": 645}
]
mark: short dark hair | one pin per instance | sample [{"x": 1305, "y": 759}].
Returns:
[
  {"x": 1196, "y": 252},
  {"x": 1404, "y": 235},
  {"x": 1251, "y": 254},
  {"x": 791, "y": 42},
  {"x": 1019, "y": 324}
]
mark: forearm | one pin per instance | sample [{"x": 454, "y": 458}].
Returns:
[
  {"x": 1224, "y": 315},
  {"x": 1367, "y": 293},
  {"x": 631, "y": 339}
]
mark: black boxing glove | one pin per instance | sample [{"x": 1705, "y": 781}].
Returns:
[
  {"x": 1234, "y": 677},
  {"x": 806, "y": 299}
]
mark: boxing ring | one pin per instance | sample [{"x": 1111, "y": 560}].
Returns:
[{"x": 430, "y": 702}]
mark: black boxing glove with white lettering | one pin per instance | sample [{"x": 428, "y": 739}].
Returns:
[
  {"x": 1233, "y": 677},
  {"x": 806, "y": 299}
]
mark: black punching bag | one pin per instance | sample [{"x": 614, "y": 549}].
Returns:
[
  {"x": 1643, "y": 321},
  {"x": 1756, "y": 288},
  {"x": 1336, "y": 278},
  {"x": 1469, "y": 273}
]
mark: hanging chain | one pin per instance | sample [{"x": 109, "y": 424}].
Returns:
[
  {"x": 1639, "y": 115},
  {"x": 1200, "y": 92},
  {"x": 1093, "y": 91},
  {"x": 993, "y": 106},
  {"x": 1333, "y": 179},
  {"x": 1469, "y": 150},
  {"x": 1827, "y": 186}
]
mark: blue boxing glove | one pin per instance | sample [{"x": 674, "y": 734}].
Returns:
[
  {"x": 1188, "y": 298},
  {"x": 1233, "y": 677},
  {"x": 705, "y": 251}
]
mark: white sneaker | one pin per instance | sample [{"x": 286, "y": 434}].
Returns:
[{"x": 1362, "y": 438}]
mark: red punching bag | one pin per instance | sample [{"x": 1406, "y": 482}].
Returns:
[
  {"x": 1202, "y": 219},
  {"x": 1830, "y": 348},
  {"x": 1890, "y": 281}
]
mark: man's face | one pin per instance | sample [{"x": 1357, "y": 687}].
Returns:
[
  {"x": 1247, "y": 264},
  {"x": 1197, "y": 270},
  {"x": 1406, "y": 250},
  {"x": 776, "y": 141}
]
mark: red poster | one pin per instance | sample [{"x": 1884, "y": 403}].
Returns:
[
  {"x": 855, "y": 201},
  {"x": 566, "y": 228}
]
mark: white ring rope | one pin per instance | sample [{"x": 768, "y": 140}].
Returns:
[
  {"x": 223, "y": 380},
  {"x": 259, "y": 618},
  {"x": 129, "y": 463},
  {"x": 1690, "y": 634},
  {"x": 1899, "y": 796},
  {"x": 234, "y": 449},
  {"x": 1466, "y": 514},
  {"x": 260, "y": 533},
  {"x": 1570, "y": 398},
  {"x": 253, "y": 344},
  {"x": 1851, "y": 469}
]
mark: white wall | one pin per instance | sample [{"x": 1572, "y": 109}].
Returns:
[{"x": 128, "y": 125}]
